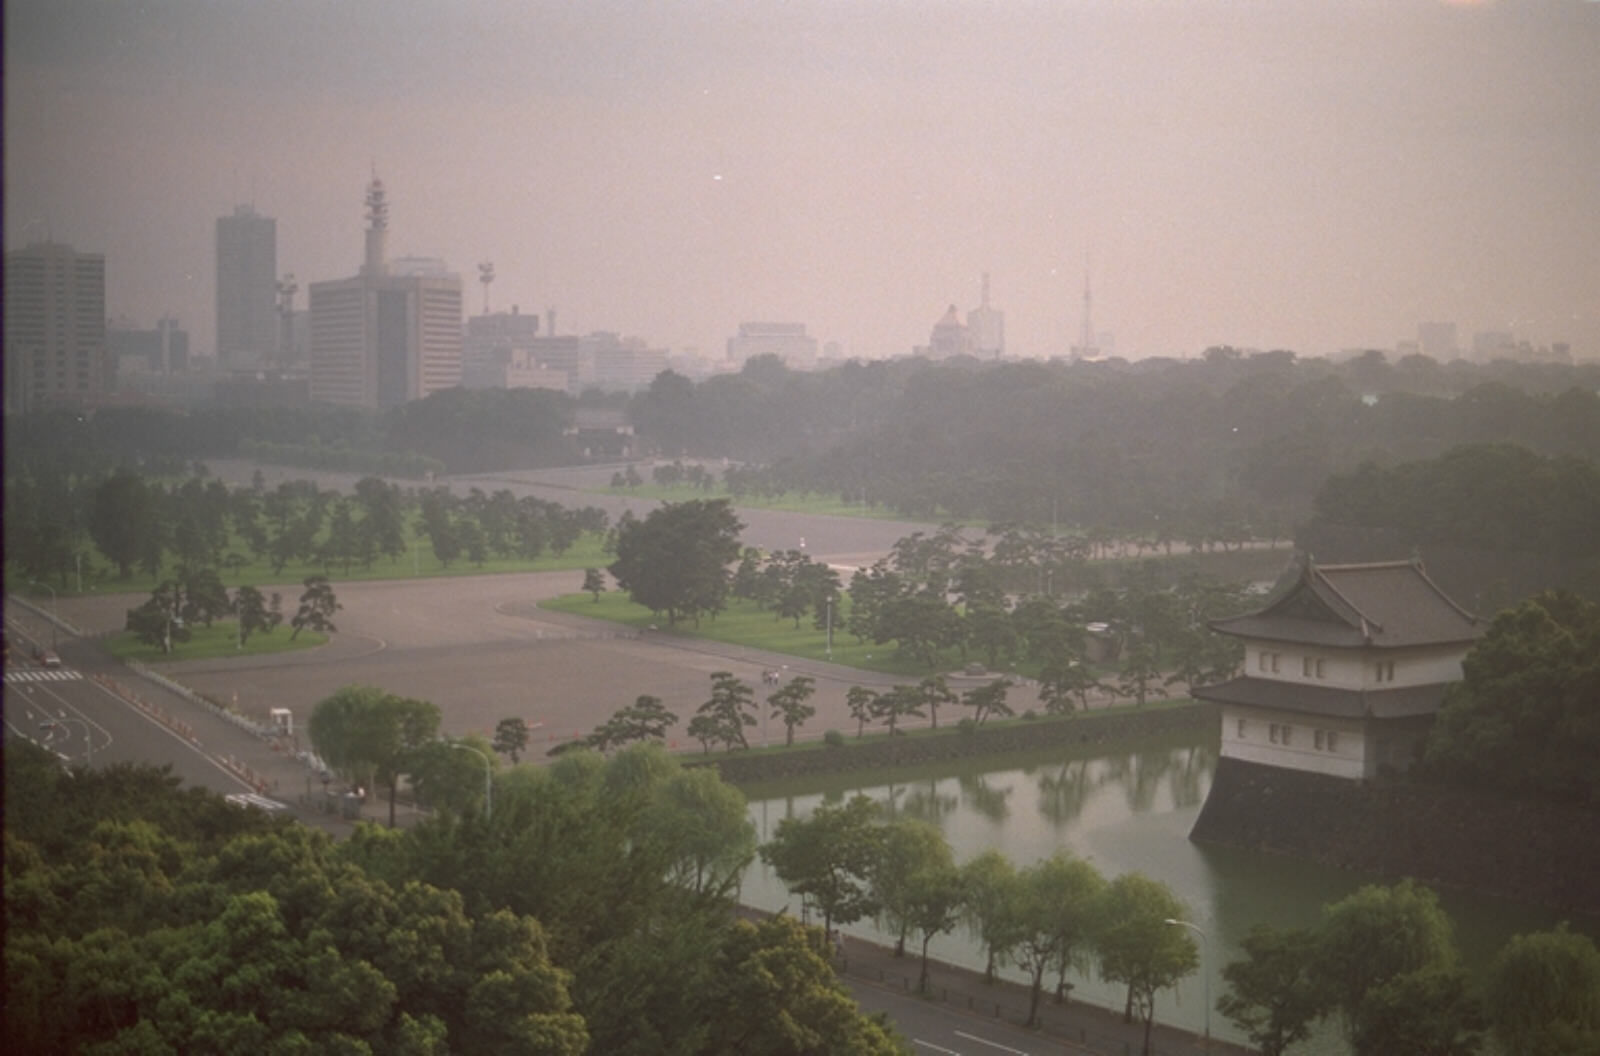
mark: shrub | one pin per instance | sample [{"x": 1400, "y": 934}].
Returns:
[
  {"x": 833, "y": 739},
  {"x": 967, "y": 726},
  {"x": 1029, "y": 715}
]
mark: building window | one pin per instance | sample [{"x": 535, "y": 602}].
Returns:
[
  {"x": 1321, "y": 668},
  {"x": 1318, "y": 739},
  {"x": 1333, "y": 741},
  {"x": 1307, "y": 665},
  {"x": 1261, "y": 660},
  {"x": 1272, "y": 733},
  {"x": 1274, "y": 663},
  {"x": 1286, "y": 731},
  {"x": 1385, "y": 671},
  {"x": 1241, "y": 729}
]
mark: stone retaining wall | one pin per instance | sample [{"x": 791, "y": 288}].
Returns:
[
  {"x": 1544, "y": 853},
  {"x": 1087, "y": 728}
]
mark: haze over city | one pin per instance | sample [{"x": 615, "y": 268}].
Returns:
[{"x": 1307, "y": 175}]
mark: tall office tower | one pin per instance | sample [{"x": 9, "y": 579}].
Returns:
[
  {"x": 380, "y": 339},
  {"x": 55, "y": 328},
  {"x": 986, "y": 327},
  {"x": 247, "y": 288}
]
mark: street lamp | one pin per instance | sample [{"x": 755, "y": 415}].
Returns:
[
  {"x": 53, "y": 616},
  {"x": 1205, "y": 975},
  {"x": 488, "y": 777}
]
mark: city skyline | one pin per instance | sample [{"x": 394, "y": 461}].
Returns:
[{"x": 1308, "y": 175}]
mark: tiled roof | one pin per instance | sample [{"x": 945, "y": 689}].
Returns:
[
  {"x": 1397, "y": 703},
  {"x": 1390, "y": 604}
]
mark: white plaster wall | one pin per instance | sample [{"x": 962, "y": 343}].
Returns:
[
  {"x": 1355, "y": 669},
  {"x": 1348, "y": 759}
]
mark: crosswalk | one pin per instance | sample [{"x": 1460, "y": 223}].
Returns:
[{"x": 55, "y": 674}]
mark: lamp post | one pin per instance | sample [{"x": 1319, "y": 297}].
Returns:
[
  {"x": 53, "y": 616},
  {"x": 488, "y": 777},
  {"x": 1205, "y": 975}
]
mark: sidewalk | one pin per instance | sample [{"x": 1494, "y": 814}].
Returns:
[{"x": 1077, "y": 1026}]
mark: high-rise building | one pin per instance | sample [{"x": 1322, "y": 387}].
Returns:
[
  {"x": 247, "y": 288},
  {"x": 986, "y": 327},
  {"x": 948, "y": 338},
  {"x": 55, "y": 328},
  {"x": 380, "y": 339},
  {"x": 788, "y": 341},
  {"x": 1438, "y": 341}
]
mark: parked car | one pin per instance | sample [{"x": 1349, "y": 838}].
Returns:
[{"x": 49, "y": 658}]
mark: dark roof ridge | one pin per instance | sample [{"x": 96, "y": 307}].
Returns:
[{"x": 1366, "y": 623}]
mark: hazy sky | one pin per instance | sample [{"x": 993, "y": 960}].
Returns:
[{"x": 1274, "y": 174}]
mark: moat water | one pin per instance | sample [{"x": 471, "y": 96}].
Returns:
[{"x": 1126, "y": 808}]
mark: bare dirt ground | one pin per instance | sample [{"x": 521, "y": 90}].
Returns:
[{"x": 481, "y": 649}]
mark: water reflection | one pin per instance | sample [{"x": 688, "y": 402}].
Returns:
[{"x": 1125, "y": 807}]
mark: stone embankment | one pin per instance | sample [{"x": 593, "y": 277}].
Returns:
[
  {"x": 1086, "y": 728},
  {"x": 1543, "y": 853}
]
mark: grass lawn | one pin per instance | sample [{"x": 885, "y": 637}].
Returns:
[
  {"x": 744, "y": 624},
  {"x": 802, "y": 502},
  {"x": 208, "y": 643}
]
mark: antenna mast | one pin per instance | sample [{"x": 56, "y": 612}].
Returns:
[{"x": 486, "y": 276}]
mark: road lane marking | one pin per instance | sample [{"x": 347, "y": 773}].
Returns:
[
  {"x": 935, "y": 1048},
  {"x": 56, "y": 675},
  {"x": 991, "y": 1044}
]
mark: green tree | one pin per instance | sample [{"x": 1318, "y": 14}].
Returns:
[
  {"x": 923, "y": 625},
  {"x": 445, "y": 776},
  {"x": 254, "y": 613},
  {"x": 1138, "y": 947},
  {"x": 989, "y": 629},
  {"x": 906, "y": 846},
  {"x": 723, "y": 718},
  {"x": 1429, "y": 1012},
  {"x": 988, "y": 700},
  {"x": 789, "y": 704},
  {"x": 317, "y": 606},
  {"x": 935, "y": 691},
  {"x": 1059, "y": 910},
  {"x": 159, "y": 621},
  {"x": 779, "y": 997},
  {"x": 1542, "y": 995},
  {"x": 511, "y": 735},
  {"x": 1066, "y": 675},
  {"x": 675, "y": 560},
  {"x": 993, "y": 891},
  {"x": 1373, "y": 937},
  {"x": 594, "y": 582},
  {"x": 1527, "y": 694},
  {"x": 898, "y": 702},
  {"x": 643, "y": 720},
  {"x": 863, "y": 704},
  {"x": 828, "y": 859},
  {"x": 1271, "y": 996},
  {"x": 1138, "y": 673},
  {"x": 125, "y": 520},
  {"x": 371, "y": 735}
]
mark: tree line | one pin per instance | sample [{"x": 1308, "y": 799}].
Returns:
[
  {"x": 592, "y": 914},
  {"x": 58, "y": 529}
]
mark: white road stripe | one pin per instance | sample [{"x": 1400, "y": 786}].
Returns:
[
  {"x": 57, "y": 675},
  {"x": 991, "y": 1044}
]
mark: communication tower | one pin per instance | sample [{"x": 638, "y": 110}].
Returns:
[{"x": 486, "y": 276}]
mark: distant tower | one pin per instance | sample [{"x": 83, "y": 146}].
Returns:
[
  {"x": 286, "y": 291},
  {"x": 1086, "y": 348},
  {"x": 377, "y": 229},
  {"x": 247, "y": 270},
  {"x": 485, "y": 277},
  {"x": 385, "y": 336},
  {"x": 986, "y": 327}
]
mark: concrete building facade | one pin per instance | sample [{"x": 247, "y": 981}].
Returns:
[
  {"x": 55, "y": 328},
  {"x": 247, "y": 288},
  {"x": 380, "y": 339}
]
